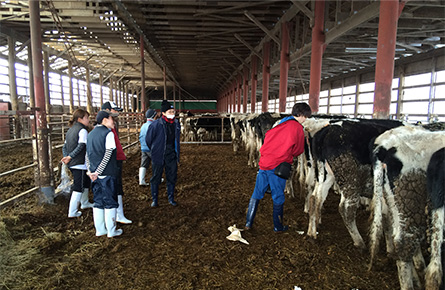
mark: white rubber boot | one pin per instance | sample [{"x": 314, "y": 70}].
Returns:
[
  {"x": 142, "y": 171},
  {"x": 120, "y": 218},
  {"x": 110, "y": 223},
  {"x": 99, "y": 221},
  {"x": 74, "y": 205},
  {"x": 84, "y": 202}
]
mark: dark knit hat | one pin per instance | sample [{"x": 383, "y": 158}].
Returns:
[
  {"x": 165, "y": 106},
  {"x": 150, "y": 114},
  {"x": 102, "y": 115}
]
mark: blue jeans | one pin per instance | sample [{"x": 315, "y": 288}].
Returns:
[{"x": 266, "y": 178}]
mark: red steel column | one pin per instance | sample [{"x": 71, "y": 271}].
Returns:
[
  {"x": 246, "y": 89},
  {"x": 222, "y": 103},
  {"x": 238, "y": 90},
  {"x": 229, "y": 99},
  {"x": 46, "y": 189},
  {"x": 253, "y": 83},
  {"x": 143, "y": 107},
  {"x": 384, "y": 69},
  {"x": 316, "y": 55},
  {"x": 165, "y": 83},
  {"x": 284, "y": 66},
  {"x": 233, "y": 101},
  {"x": 266, "y": 76}
]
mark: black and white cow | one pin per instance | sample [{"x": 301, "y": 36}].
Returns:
[
  {"x": 204, "y": 127},
  {"x": 401, "y": 157},
  {"x": 250, "y": 130},
  {"x": 306, "y": 169},
  {"x": 341, "y": 152},
  {"x": 239, "y": 131},
  {"x": 436, "y": 192}
]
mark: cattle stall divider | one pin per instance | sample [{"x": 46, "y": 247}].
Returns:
[{"x": 58, "y": 126}]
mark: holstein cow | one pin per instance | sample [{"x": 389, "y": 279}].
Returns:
[
  {"x": 436, "y": 192},
  {"x": 306, "y": 170},
  {"x": 341, "y": 152},
  {"x": 256, "y": 127},
  {"x": 238, "y": 129},
  {"x": 401, "y": 157},
  {"x": 204, "y": 127}
]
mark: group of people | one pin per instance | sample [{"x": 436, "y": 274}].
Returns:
[{"x": 96, "y": 158}]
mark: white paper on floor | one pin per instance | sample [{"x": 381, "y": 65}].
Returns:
[{"x": 236, "y": 235}]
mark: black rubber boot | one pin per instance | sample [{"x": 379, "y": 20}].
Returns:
[
  {"x": 278, "y": 219},
  {"x": 154, "y": 195},
  {"x": 171, "y": 194},
  {"x": 251, "y": 211}
]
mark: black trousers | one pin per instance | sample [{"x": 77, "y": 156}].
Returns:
[
  {"x": 171, "y": 170},
  {"x": 119, "y": 188}
]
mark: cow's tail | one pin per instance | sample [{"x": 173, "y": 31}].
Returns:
[
  {"x": 376, "y": 228},
  {"x": 435, "y": 187},
  {"x": 433, "y": 275}
]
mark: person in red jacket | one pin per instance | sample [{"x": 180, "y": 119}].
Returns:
[
  {"x": 282, "y": 143},
  {"x": 120, "y": 156}
]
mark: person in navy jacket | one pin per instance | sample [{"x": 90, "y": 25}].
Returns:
[
  {"x": 282, "y": 143},
  {"x": 163, "y": 141}
]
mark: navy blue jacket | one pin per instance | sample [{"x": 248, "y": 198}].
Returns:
[
  {"x": 96, "y": 151},
  {"x": 156, "y": 139}
]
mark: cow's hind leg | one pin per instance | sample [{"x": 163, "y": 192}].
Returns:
[
  {"x": 405, "y": 270},
  {"x": 348, "y": 211},
  {"x": 312, "y": 225},
  {"x": 433, "y": 276}
]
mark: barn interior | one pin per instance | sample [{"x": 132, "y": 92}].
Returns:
[
  {"x": 201, "y": 50},
  {"x": 207, "y": 58}
]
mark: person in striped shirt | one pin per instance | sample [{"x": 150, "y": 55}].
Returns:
[{"x": 103, "y": 171}]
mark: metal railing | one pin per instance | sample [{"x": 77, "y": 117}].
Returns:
[{"x": 58, "y": 126}]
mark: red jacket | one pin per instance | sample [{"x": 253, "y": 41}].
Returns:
[
  {"x": 120, "y": 155},
  {"x": 281, "y": 144}
]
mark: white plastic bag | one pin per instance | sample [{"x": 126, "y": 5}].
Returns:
[{"x": 65, "y": 181}]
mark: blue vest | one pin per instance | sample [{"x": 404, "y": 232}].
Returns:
[{"x": 96, "y": 151}]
